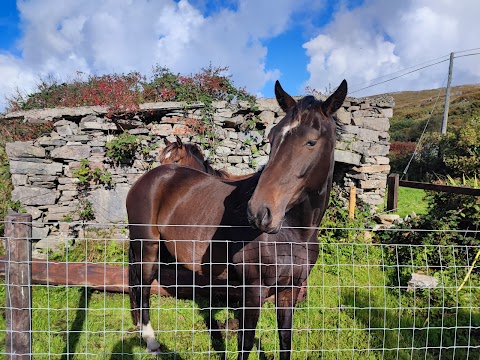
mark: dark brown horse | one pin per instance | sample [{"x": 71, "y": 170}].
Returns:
[
  {"x": 203, "y": 221},
  {"x": 188, "y": 154}
]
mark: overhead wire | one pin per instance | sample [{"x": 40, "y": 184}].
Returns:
[
  {"x": 401, "y": 70},
  {"x": 415, "y": 68},
  {"x": 399, "y": 76}
]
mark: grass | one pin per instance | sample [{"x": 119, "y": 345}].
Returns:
[
  {"x": 354, "y": 309},
  {"x": 413, "y": 108},
  {"x": 409, "y": 200}
]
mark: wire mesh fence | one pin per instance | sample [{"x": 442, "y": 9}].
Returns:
[{"x": 364, "y": 300}]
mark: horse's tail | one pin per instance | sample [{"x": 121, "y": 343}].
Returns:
[{"x": 134, "y": 276}]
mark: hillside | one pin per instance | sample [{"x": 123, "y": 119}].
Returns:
[{"x": 412, "y": 110}]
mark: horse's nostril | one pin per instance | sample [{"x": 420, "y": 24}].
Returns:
[{"x": 266, "y": 216}]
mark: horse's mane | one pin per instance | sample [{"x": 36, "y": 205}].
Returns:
[{"x": 194, "y": 151}]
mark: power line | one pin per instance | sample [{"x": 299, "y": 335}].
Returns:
[
  {"x": 462, "y": 51},
  {"x": 402, "y": 70},
  {"x": 415, "y": 69},
  {"x": 399, "y": 76},
  {"x": 423, "y": 132},
  {"x": 456, "y": 57}
]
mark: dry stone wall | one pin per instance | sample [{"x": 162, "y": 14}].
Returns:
[{"x": 43, "y": 170}]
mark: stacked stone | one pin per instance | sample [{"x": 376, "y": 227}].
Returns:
[
  {"x": 364, "y": 141},
  {"x": 43, "y": 170}
]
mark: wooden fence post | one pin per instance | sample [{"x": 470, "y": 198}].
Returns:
[
  {"x": 18, "y": 274},
  {"x": 392, "y": 195},
  {"x": 352, "y": 202}
]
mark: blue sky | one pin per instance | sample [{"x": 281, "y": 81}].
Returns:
[{"x": 379, "y": 46}]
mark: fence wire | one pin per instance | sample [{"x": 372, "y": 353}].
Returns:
[{"x": 364, "y": 299}]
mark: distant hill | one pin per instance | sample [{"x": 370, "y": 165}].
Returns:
[{"x": 413, "y": 108}]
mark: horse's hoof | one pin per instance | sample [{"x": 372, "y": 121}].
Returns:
[{"x": 153, "y": 351}]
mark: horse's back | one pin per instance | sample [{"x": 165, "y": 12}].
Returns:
[
  {"x": 186, "y": 209},
  {"x": 178, "y": 200}
]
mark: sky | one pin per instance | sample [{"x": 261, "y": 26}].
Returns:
[{"x": 378, "y": 46}]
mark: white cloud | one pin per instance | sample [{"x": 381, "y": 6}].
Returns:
[
  {"x": 14, "y": 78},
  {"x": 383, "y": 37},
  {"x": 96, "y": 37}
]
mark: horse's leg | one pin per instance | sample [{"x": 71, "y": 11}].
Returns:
[
  {"x": 302, "y": 294},
  {"x": 254, "y": 296},
  {"x": 285, "y": 303},
  {"x": 134, "y": 276},
  {"x": 149, "y": 272},
  {"x": 143, "y": 267}
]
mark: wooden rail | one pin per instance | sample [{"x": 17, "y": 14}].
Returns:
[
  {"x": 114, "y": 278},
  {"x": 393, "y": 182}
]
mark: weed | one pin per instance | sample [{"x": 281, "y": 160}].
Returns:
[
  {"x": 85, "y": 210},
  {"x": 122, "y": 148},
  {"x": 87, "y": 175}
]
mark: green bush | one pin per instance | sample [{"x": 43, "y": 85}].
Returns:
[
  {"x": 452, "y": 221},
  {"x": 122, "y": 148},
  {"x": 455, "y": 154},
  {"x": 461, "y": 149}
]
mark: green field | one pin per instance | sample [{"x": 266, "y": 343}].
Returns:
[
  {"x": 357, "y": 307},
  {"x": 409, "y": 201}
]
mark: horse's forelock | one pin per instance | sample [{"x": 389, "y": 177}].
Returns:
[
  {"x": 302, "y": 114},
  {"x": 315, "y": 119},
  {"x": 167, "y": 151}
]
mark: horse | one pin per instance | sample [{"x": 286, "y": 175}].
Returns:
[
  {"x": 189, "y": 154},
  {"x": 260, "y": 231}
]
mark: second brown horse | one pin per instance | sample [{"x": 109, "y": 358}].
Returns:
[{"x": 204, "y": 221}]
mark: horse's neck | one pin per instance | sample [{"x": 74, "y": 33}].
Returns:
[
  {"x": 210, "y": 170},
  {"x": 309, "y": 212}
]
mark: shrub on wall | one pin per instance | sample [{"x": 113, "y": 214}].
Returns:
[
  {"x": 123, "y": 93},
  {"x": 87, "y": 175},
  {"x": 119, "y": 92},
  {"x": 122, "y": 148}
]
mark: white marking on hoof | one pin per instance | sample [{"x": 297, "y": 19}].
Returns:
[{"x": 148, "y": 335}]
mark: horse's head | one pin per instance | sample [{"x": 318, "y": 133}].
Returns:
[
  {"x": 173, "y": 153},
  {"x": 301, "y": 157},
  {"x": 182, "y": 154}
]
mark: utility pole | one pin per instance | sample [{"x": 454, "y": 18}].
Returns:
[{"x": 447, "y": 96}]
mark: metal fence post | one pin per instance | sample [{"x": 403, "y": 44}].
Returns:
[{"x": 18, "y": 274}]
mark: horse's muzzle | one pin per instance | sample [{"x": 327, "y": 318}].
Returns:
[{"x": 263, "y": 220}]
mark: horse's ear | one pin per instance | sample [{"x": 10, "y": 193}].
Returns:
[
  {"x": 179, "y": 141},
  {"x": 333, "y": 103},
  {"x": 167, "y": 142},
  {"x": 284, "y": 100}
]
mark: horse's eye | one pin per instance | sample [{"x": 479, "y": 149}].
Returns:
[{"x": 311, "y": 143}]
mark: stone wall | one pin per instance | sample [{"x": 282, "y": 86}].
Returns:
[{"x": 42, "y": 170}]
